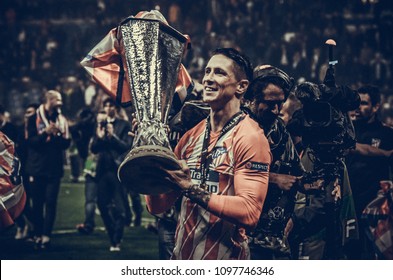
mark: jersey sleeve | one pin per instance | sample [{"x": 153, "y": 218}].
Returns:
[{"x": 251, "y": 176}]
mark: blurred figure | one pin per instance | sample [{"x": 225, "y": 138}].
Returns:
[
  {"x": 365, "y": 172},
  {"x": 6, "y": 126},
  {"x": 90, "y": 93},
  {"x": 379, "y": 69},
  {"x": 290, "y": 106},
  {"x": 84, "y": 132},
  {"x": 47, "y": 137},
  {"x": 81, "y": 132},
  {"x": 12, "y": 195},
  {"x": 111, "y": 142},
  {"x": 24, "y": 222}
]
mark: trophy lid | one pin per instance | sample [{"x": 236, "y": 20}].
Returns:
[{"x": 155, "y": 15}]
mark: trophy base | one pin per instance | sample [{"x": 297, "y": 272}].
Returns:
[{"x": 141, "y": 170}]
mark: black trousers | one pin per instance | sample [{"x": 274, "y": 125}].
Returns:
[
  {"x": 110, "y": 201},
  {"x": 45, "y": 191}
]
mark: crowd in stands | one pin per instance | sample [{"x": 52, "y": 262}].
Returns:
[{"x": 43, "y": 41}]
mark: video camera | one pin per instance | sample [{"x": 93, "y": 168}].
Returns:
[
  {"x": 103, "y": 124},
  {"x": 327, "y": 132},
  {"x": 326, "y": 121},
  {"x": 326, "y": 126}
]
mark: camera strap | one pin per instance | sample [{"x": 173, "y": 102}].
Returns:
[{"x": 205, "y": 156}]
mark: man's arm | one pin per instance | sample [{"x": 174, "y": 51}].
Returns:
[
  {"x": 32, "y": 137},
  {"x": 371, "y": 151},
  {"x": 283, "y": 181},
  {"x": 119, "y": 138},
  {"x": 244, "y": 208},
  {"x": 157, "y": 204}
]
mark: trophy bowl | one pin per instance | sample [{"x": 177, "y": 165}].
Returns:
[{"x": 143, "y": 166}]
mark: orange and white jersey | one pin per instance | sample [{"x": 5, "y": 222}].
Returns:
[{"x": 238, "y": 180}]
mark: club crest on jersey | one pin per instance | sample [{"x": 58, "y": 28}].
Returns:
[
  {"x": 258, "y": 166},
  {"x": 218, "y": 151}
]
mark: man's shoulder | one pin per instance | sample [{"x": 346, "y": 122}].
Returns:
[
  {"x": 384, "y": 130},
  {"x": 250, "y": 128},
  {"x": 250, "y": 133},
  {"x": 196, "y": 130},
  {"x": 387, "y": 127},
  {"x": 31, "y": 120},
  {"x": 121, "y": 122}
]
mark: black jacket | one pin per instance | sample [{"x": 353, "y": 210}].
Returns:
[
  {"x": 366, "y": 172},
  {"x": 111, "y": 151},
  {"x": 45, "y": 158}
]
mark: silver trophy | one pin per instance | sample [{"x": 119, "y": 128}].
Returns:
[{"x": 152, "y": 53}]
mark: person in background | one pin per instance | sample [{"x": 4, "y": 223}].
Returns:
[
  {"x": 47, "y": 137},
  {"x": 365, "y": 171},
  {"x": 24, "y": 223},
  {"x": 86, "y": 130},
  {"x": 7, "y": 127},
  {"x": 110, "y": 143},
  {"x": 81, "y": 133},
  {"x": 266, "y": 95}
]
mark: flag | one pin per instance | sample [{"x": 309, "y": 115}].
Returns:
[
  {"x": 378, "y": 217},
  {"x": 12, "y": 193},
  {"x": 104, "y": 64}
]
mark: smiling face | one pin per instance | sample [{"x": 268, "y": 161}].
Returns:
[{"x": 220, "y": 84}]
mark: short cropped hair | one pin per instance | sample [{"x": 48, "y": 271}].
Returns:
[
  {"x": 243, "y": 67},
  {"x": 49, "y": 94},
  {"x": 373, "y": 92}
]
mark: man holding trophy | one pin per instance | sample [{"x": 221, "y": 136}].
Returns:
[
  {"x": 216, "y": 170},
  {"x": 223, "y": 178}
]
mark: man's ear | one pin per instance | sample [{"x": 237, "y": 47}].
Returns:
[
  {"x": 242, "y": 86},
  {"x": 376, "y": 108}
]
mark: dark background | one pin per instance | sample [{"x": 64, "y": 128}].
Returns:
[{"x": 43, "y": 41}]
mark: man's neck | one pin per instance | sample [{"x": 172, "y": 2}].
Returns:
[{"x": 218, "y": 118}]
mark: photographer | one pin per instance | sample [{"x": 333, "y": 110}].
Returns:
[
  {"x": 324, "y": 218},
  {"x": 266, "y": 95},
  {"x": 110, "y": 143},
  {"x": 47, "y": 137}
]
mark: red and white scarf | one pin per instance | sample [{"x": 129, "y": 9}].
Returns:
[{"x": 42, "y": 123}]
